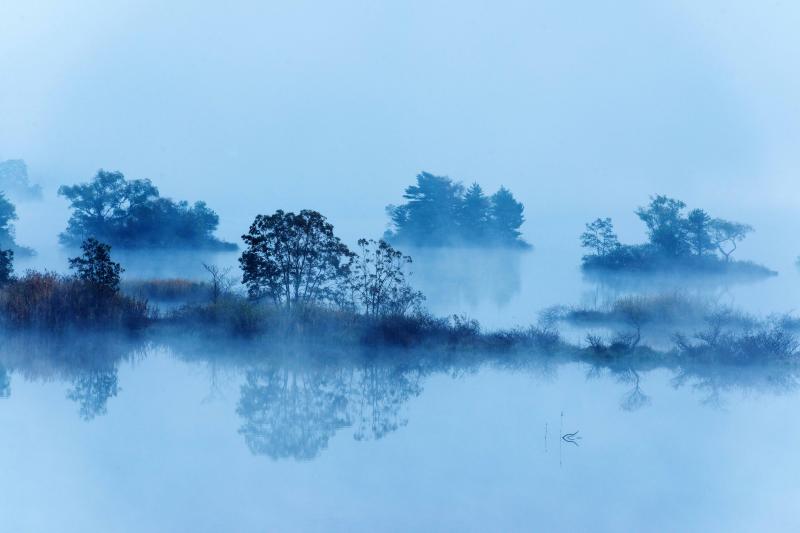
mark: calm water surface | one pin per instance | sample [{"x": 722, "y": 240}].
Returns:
[
  {"x": 162, "y": 441},
  {"x": 298, "y": 446}
]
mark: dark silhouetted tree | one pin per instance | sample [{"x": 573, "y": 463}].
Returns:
[
  {"x": 600, "y": 237},
  {"x": 96, "y": 267},
  {"x": 378, "y": 280},
  {"x": 698, "y": 227},
  {"x": 506, "y": 217},
  {"x": 430, "y": 216},
  {"x": 474, "y": 215},
  {"x": 100, "y": 206},
  {"x": 221, "y": 281},
  {"x": 293, "y": 259}
]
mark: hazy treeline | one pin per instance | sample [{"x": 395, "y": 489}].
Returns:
[
  {"x": 441, "y": 212},
  {"x": 438, "y": 213},
  {"x": 677, "y": 240},
  {"x": 132, "y": 214}
]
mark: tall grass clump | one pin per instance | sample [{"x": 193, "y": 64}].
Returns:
[{"x": 54, "y": 302}]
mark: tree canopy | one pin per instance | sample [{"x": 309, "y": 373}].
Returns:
[
  {"x": 440, "y": 212},
  {"x": 296, "y": 261},
  {"x": 132, "y": 214},
  {"x": 378, "y": 280},
  {"x": 96, "y": 267},
  {"x": 293, "y": 259}
]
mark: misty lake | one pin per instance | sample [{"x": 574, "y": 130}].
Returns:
[
  {"x": 153, "y": 438},
  {"x": 461, "y": 297},
  {"x": 188, "y": 445}
]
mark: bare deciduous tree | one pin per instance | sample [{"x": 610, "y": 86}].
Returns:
[{"x": 221, "y": 280}]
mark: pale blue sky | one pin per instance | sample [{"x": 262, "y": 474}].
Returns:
[{"x": 579, "y": 107}]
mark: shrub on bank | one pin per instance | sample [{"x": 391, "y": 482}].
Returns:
[{"x": 53, "y": 302}]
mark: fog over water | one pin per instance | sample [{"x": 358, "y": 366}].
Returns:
[{"x": 582, "y": 109}]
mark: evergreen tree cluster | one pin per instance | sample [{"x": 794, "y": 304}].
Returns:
[{"x": 440, "y": 212}]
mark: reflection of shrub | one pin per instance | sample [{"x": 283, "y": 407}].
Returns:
[
  {"x": 53, "y": 302},
  {"x": 768, "y": 341}
]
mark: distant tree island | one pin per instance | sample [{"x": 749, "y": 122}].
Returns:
[
  {"x": 692, "y": 242},
  {"x": 14, "y": 180},
  {"x": 131, "y": 214},
  {"x": 440, "y": 213}
]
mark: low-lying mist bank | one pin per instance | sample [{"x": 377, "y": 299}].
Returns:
[
  {"x": 306, "y": 373},
  {"x": 301, "y": 383},
  {"x": 664, "y": 326},
  {"x": 665, "y": 330}
]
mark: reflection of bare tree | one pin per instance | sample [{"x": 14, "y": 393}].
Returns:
[
  {"x": 92, "y": 389},
  {"x": 634, "y": 399},
  {"x": 294, "y": 412},
  {"x": 378, "y": 398},
  {"x": 624, "y": 372}
]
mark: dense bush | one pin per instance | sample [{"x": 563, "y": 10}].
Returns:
[
  {"x": 131, "y": 214},
  {"x": 53, "y": 302}
]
